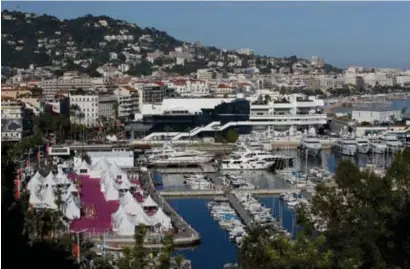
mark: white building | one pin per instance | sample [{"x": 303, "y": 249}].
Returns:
[
  {"x": 128, "y": 100},
  {"x": 375, "y": 115},
  {"x": 189, "y": 87},
  {"x": 87, "y": 104},
  {"x": 381, "y": 79},
  {"x": 317, "y": 61},
  {"x": 403, "y": 80},
  {"x": 284, "y": 113},
  {"x": 245, "y": 51},
  {"x": 11, "y": 120}
]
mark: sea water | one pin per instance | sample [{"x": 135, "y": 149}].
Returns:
[{"x": 216, "y": 249}]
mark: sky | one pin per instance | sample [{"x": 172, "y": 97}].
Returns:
[{"x": 371, "y": 34}]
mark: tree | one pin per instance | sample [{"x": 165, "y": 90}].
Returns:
[
  {"x": 41, "y": 253},
  {"x": 231, "y": 136},
  {"x": 165, "y": 255},
  {"x": 280, "y": 252},
  {"x": 135, "y": 256},
  {"x": 359, "y": 222}
]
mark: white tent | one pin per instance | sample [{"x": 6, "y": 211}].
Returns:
[
  {"x": 161, "y": 218},
  {"x": 71, "y": 210},
  {"x": 72, "y": 188},
  {"x": 82, "y": 168},
  {"x": 122, "y": 182},
  {"x": 103, "y": 165},
  {"x": 149, "y": 202},
  {"x": 49, "y": 198},
  {"x": 117, "y": 215},
  {"x": 124, "y": 226},
  {"x": 35, "y": 181},
  {"x": 35, "y": 196},
  {"x": 131, "y": 206},
  {"x": 115, "y": 169},
  {"x": 60, "y": 178},
  {"x": 110, "y": 192}
]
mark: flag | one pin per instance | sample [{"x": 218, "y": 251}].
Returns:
[
  {"x": 76, "y": 251},
  {"x": 118, "y": 123},
  {"x": 17, "y": 188},
  {"x": 19, "y": 172},
  {"x": 27, "y": 163},
  {"x": 38, "y": 156},
  {"x": 47, "y": 148}
]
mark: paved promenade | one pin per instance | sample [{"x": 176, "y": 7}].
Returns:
[{"x": 186, "y": 234}]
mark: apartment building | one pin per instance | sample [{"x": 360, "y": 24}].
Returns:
[
  {"x": 128, "y": 100},
  {"x": 189, "y": 87},
  {"x": 107, "y": 106},
  {"x": 88, "y": 105},
  {"x": 52, "y": 86},
  {"x": 11, "y": 119}
]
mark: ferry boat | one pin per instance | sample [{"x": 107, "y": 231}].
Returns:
[{"x": 345, "y": 146}]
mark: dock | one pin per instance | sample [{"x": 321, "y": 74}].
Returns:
[
  {"x": 240, "y": 210},
  {"x": 186, "y": 169}
]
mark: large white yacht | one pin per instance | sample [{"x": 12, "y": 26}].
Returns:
[
  {"x": 363, "y": 145},
  {"x": 345, "y": 145},
  {"x": 377, "y": 146},
  {"x": 247, "y": 159},
  {"x": 170, "y": 155},
  {"x": 392, "y": 143},
  {"x": 311, "y": 144}
]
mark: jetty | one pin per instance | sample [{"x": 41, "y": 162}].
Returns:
[
  {"x": 186, "y": 235},
  {"x": 240, "y": 210}
]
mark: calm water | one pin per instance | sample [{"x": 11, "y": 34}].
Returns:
[
  {"x": 264, "y": 179},
  {"x": 216, "y": 249}
]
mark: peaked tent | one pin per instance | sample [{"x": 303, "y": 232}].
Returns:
[
  {"x": 49, "y": 198},
  {"x": 125, "y": 226},
  {"x": 110, "y": 192},
  {"x": 149, "y": 202},
  {"x": 35, "y": 180},
  {"x": 161, "y": 218},
  {"x": 71, "y": 210}
]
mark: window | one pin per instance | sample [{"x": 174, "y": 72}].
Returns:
[{"x": 83, "y": 171}]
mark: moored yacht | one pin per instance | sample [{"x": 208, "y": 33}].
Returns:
[
  {"x": 363, "y": 145},
  {"x": 392, "y": 144},
  {"x": 310, "y": 143},
  {"x": 345, "y": 146},
  {"x": 170, "y": 155},
  {"x": 377, "y": 146}
]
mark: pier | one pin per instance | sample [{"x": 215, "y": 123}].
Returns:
[
  {"x": 186, "y": 234},
  {"x": 240, "y": 210}
]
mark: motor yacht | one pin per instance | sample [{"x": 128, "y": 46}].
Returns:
[
  {"x": 170, "y": 155},
  {"x": 246, "y": 159},
  {"x": 377, "y": 146},
  {"x": 363, "y": 145},
  {"x": 392, "y": 144},
  {"x": 310, "y": 144},
  {"x": 345, "y": 145}
]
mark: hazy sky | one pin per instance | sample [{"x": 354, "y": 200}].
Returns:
[{"x": 345, "y": 33}]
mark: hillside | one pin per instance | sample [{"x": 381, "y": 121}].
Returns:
[{"x": 88, "y": 43}]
